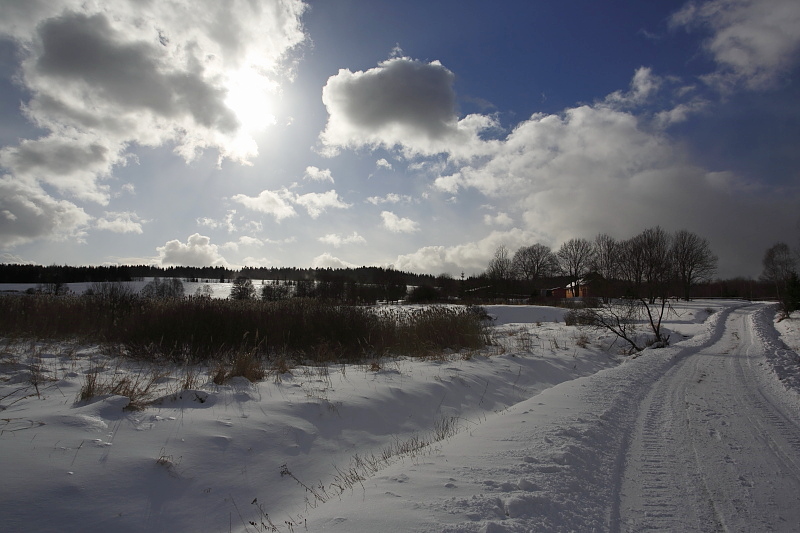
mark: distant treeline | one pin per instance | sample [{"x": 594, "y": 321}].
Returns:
[
  {"x": 15, "y": 273},
  {"x": 478, "y": 288}
]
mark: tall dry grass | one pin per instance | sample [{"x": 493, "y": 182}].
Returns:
[{"x": 202, "y": 329}]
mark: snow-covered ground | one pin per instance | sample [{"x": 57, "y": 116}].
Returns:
[{"x": 550, "y": 429}]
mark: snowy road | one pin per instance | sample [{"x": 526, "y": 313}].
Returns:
[
  {"x": 714, "y": 449},
  {"x": 700, "y": 436}
]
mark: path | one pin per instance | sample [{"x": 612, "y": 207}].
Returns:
[{"x": 714, "y": 448}]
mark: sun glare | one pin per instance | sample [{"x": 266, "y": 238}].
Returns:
[{"x": 252, "y": 98}]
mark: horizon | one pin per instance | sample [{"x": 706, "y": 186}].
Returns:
[{"x": 417, "y": 136}]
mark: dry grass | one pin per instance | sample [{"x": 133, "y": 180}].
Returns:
[
  {"x": 204, "y": 330},
  {"x": 138, "y": 386}
]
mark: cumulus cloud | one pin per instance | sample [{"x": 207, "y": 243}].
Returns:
[
  {"x": 643, "y": 85},
  {"x": 228, "y": 223},
  {"x": 318, "y": 203},
  {"x": 197, "y": 251},
  {"x": 337, "y": 240},
  {"x": 599, "y": 168},
  {"x": 275, "y": 203},
  {"x": 383, "y": 163},
  {"x": 245, "y": 241},
  {"x": 473, "y": 257},
  {"x": 314, "y": 173},
  {"x": 103, "y": 77},
  {"x": 11, "y": 259},
  {"x": 395, "y": 224},
  {"x": 401, "y": 103},
  {"x": 500, "y": 219},
  {"x": 28, "y": 213},
  {"x": 280, "y": 203},
  {"x": 326, "y": 260},
  {"x": 753, "y": 42},
  {"x": 124, "y": 222}
]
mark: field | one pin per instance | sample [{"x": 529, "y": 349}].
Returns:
[{"x": 92, "y": 439}]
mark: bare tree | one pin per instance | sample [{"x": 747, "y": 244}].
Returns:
[
  {"x": 500, "y": 265},
  {"x": 650, "y": 252},
  {"x": 533, "y": 262},
  {"x": 644, "y": 267},
  {"x": 606, "y": 262},
  {"x": 779, "y": 268},
  {"x": 575, "y": 259},
  {"x": 632, "y": 265},
  {"x": 692, "y": 259}
]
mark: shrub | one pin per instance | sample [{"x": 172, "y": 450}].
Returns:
[
  {"x": 242, "y": 289},
  {"x": 204, "y": 292},
  {"x": 163, "y": 289},
  {"x": 579, "y": 317},
  {"x": 274, "y": 292}
]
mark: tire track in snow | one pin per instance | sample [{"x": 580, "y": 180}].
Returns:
[
  {"x": 714, "y": 449},
  {"x": 660, "y": 462}
]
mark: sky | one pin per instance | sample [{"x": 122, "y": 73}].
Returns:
[{"x": 418, "y": 135}]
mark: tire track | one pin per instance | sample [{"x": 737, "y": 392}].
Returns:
[
  {"x": 660, "y": 463},
  {"x": 714, "y": 449}
]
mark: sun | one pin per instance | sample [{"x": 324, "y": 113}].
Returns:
[{"x": 252, "y": 97}]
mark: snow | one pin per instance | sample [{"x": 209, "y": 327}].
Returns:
[{"x": 549, "y": 429}]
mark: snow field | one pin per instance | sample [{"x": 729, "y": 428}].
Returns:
[{"x": 523, "y": 434}]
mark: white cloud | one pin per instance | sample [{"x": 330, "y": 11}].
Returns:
[
  {"x": 11, "y": 259},
  {"x": 318, "y": 203},
  {"x": 643, "y": 85},
  {"x": 383, "y": 163},
  {"x": 287, "y": 240},
  {"x": 198, "y": 251},
  {"x": 338, "y": 240},
  {"x": 472, "y": 257},
  {"x": 72, "y": 164},
  {"x": 280, "y": 203},
  {"x": 249, "y": 241},
  {"x": 400, "y": 103},
  {"x": 103, "y": 77},
  {"x": 391, "y": 198},
  {"x": 314, "y": 173},
  {"x": 753, "y": 42},
  {"x": 28, "y": 213},
  {"x": 244, "y": 240},
  {"x": 395, "y": 224},
  {"x": 448, "y": 183},
  {"x": 598, "y": 168},
  {"x": 275, "y": 203},
  {"x": 500, "y": 219},
  {"x": 123, "y": 222},
  {"x": 227, "y": 223},
  {"x": 326, "y": 260},
  {"x": 257, "y": 262}
]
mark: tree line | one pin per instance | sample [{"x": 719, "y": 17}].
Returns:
[
  {"x": 46, "y": 274},
  {"x": 651, "y": 262}
]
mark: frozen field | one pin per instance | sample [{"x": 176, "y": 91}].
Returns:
[{"x": 549, "y": 429}]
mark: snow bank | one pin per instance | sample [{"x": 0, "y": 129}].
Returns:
[
  {"x": 782, "y": 340},
  {"x": 334, "y": 448},
  {"x": 548, "y": 463}
]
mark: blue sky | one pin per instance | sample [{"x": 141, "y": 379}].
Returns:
[{"x": 421, "y": 135}]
